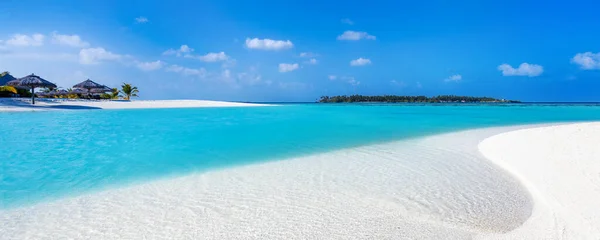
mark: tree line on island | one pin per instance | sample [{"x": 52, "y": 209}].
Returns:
[{"x": 411, "y": 99}]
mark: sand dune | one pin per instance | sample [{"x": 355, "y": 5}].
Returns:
[{"x": 438, "y": 187}]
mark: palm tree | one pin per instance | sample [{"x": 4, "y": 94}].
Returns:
[
  {"x": 129, "y": 91},
  {"x": 114, "y": 94}
]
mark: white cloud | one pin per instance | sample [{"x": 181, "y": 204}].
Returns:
[
  {"x": 288, "y": 67},
  {"x": 187, "y": 71},
  {"x": 41, "y": 56},
  {"x": 525, "y": 69},
  {"x": 587, "y": 60},
  {"x": 453, "y": 78},
  {"x": 141, "y": 19},
  {"x": 332, "y": 77},
  {"x": 184, "y": 49},
  {"x": 69, "y": 40},
  {"x": 229, "y": 63},
  {"x": 347, "y": 21},
  {"x": 150, "y": 66},
  {"x": 354, "y": 36},
  {"x": 360, "y": 62},
  {"x": 268, "y": 44},
  {"x": 308, "y": 54},
  {"x": 96, "y": 55},
  {"x": 311, "y": 61},
  {"x": 21, "y": 40},
  {"x": 211, "y": 57}
]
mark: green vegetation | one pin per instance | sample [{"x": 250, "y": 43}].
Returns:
[
  {"x": 128, "y": 91},
  {"x": 114, "y": 94},
  {"x": 411, "y": 99}
]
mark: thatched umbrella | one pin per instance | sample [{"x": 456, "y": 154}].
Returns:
[
  {"x": 77, "y": 91},
  {"x": 32, "y": 81},
  {"x": 88, "y": 85},
  {"x": 104, "y": 89}
]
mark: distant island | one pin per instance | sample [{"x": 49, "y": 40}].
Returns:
[{"x": 412, "y": 99}]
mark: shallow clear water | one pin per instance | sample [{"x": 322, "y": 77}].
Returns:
[{"x": 46, "y": 155}]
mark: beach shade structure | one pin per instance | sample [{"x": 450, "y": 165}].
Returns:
[
  {"x": 89, "y": 85},
  {"x": 104, "y": 89},
  {"x": 32, "y": 81},
  {"x": 78, "y": 91}
]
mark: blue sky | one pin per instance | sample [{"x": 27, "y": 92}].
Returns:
[{"x": 300, "y": 50}]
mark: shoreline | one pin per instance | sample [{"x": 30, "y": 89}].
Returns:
[
  {"x": 19, "y": 105},
  {"x": 429, "y": 187}
]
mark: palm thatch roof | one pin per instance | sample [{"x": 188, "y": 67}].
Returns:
[
  {"x": 78, "y": 91},
  {"x": 88, "y": 84},
  {"x": 104, "y": 89},
  {"x": 32, "y": 81},
  {"x": 59, "y": 92}
]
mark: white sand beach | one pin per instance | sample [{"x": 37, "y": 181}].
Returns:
[
  {"x": 7, "y": 105},
  {"x": 497, "y": 183},
  {"x": 560, "y": 166}
]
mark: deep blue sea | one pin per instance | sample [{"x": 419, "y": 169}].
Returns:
[{"x": 48, "y": 155}]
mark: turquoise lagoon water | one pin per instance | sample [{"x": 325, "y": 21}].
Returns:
[{"x": 48, "y": 155}]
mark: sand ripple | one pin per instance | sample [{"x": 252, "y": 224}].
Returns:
[{"x": 437, "y": 187}]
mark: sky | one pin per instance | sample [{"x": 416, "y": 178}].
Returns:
[{"x": 291, "y": 51}]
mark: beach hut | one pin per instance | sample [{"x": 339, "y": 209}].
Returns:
[{"x": 31, "y": 81}]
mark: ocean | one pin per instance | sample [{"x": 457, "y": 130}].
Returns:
[{"x": 50, "y": 155}]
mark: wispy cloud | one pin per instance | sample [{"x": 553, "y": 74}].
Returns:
[
  {"x": 268, "y": 44},
  {"x": 525, "y": 69},
  {"x": 347, "y": 21},
  {"x": 355, "y": 36},
  {"x": 400, "y": 84},
  {"x": 311, "y": 61},
  {"x": 184, "y": 49},
  {"x": 201, "y": 72},
  {"x": 21, "y": 40},
  {"x": 210, "y": 57},
  {"x": 587, "y": 60},
  {"x": 141, "y": 19},
  {"x": 69, "y": 40},
  {"x": 332, "y": 77},
  {"x": 453, "y": 78},
  {"x": 95, "y": 55},
  {"x": 150, "y": 66},
  {"x": 308, "y": 55},
  {"x": 288, "y": 67},
  {"x": 350, "y": 80},
  {"x": 419, "y": 85},
  {"x": 360, "y": 62}
]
